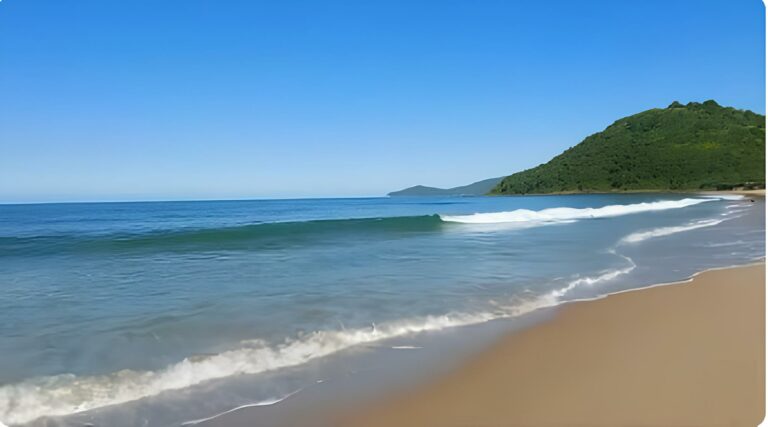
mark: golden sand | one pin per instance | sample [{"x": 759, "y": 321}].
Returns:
[{"x": 689, "y": 354}]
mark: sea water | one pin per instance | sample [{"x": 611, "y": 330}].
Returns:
[{"x": 103, "y": 305}]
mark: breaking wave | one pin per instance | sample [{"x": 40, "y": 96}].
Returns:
[
  {"x": 67, "y": 394},
  {"x": 666, "y": 231},
  {"x": 276, "y": 235},
  {"x": 559, "y": 215}
]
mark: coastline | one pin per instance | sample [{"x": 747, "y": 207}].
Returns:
[
  {"x": 368, "y": 373},
  {"x": 757, "y": 193},
  {"x": 746, "y": 193},
  {"x": 685, "y": 353}
]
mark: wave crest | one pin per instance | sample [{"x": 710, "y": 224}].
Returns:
[
  {"x": 666, "y": 231},
  {"x": 591, "y": 280},
  {"x": 67, "y": 394},
  {"x": 559, "y": 215}
]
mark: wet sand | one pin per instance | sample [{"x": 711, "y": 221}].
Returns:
[
  {"x": 759, "y": 193},
  {"x": 747, "y": 193},
  {"x": 688, "y": 354}
]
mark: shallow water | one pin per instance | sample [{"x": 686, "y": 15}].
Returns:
[{"x": 106, "y": 303}]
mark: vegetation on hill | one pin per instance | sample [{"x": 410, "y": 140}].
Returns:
[{"x": 682, "y": 147}]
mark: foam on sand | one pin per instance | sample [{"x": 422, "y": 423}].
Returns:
[
  {"x": 267, "y": 402},
  {"x": 68, "y": 394},
  {"x": 591, "y": 280}
]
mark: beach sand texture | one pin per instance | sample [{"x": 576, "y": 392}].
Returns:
[{"x": 689, "y": 354}]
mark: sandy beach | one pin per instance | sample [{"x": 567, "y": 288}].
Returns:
[
  {"x": 687, "y": 354},
  {"x": 759, "y": 193},
  {"x": 748, "y": 193}
]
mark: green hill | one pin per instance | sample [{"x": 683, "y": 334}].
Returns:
[{"x": 681, "y": 147}]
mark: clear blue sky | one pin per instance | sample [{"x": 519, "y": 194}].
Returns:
[{"x": 136, "y": 100}]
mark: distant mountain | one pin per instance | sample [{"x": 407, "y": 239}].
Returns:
[
  {"x": 682, "y": 147},
  {"x": 475, "y": 189}
]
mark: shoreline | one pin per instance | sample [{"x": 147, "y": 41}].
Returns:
[
  {"x": 757, "y": 193},
  {"x": 754, "y": 193},
  {"x": 264, "y": 393},
  {"x": 379, "y": 399},
  {"x": 684, "y": 334}
]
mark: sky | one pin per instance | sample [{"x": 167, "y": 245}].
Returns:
[{"x": 168, "y": 100}]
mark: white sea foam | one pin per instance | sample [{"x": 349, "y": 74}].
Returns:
[
  {"x": 68, "y": 394},
  {"x": 666, "y": 231},
  {"x": 591, "y": 280},
  {"x": 267, "y": 402},
  {"x": 559, "y": 215}
]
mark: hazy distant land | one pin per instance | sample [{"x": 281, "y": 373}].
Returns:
[{"x": 478, "y": 188}]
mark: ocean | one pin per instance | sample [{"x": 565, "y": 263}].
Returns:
[{"x": 127, "y": 313}]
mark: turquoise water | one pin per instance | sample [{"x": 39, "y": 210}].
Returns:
[{"x": 105, "y": 304}]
